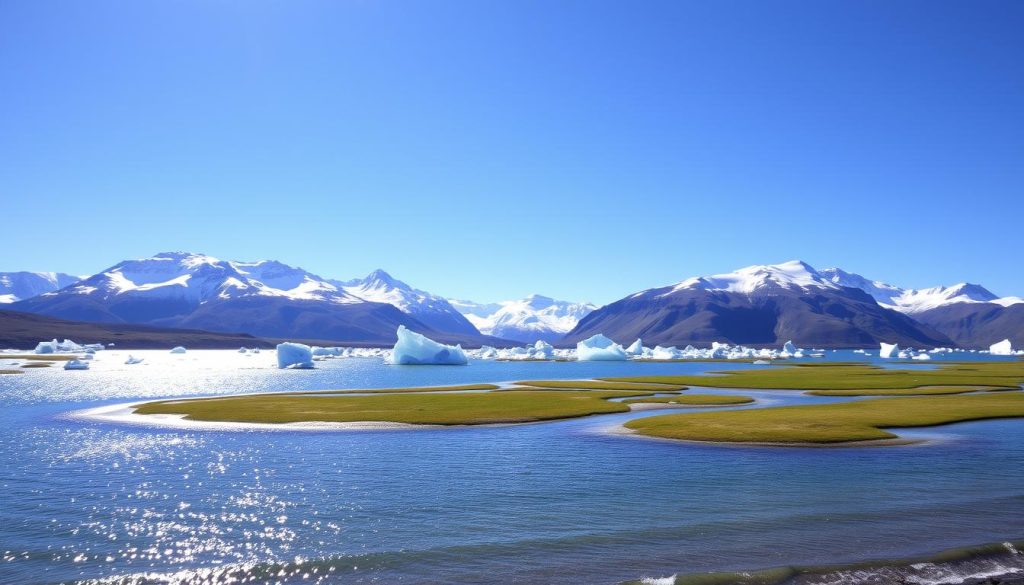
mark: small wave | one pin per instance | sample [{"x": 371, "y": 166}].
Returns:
[{"x": 992, "y": 563}]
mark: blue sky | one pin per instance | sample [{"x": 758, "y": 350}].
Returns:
[{"x": 487, "y": 150}]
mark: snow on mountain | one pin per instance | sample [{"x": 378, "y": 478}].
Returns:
[
  {"x": 433, "y": 310},
  {"x": 534, "y": 318},
  {"x": 912, "y": 301},
  {"x": 197, "y": 278},
  {"x": 792, "y": 275},
  {"x": 763, "y": 304},
  {"x": 16, "y": 286}
]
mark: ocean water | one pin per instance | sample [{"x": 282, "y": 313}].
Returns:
[{"x": 560, "y": 502}]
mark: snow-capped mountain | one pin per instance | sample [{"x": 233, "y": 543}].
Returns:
[
  {"x": 792, "y": 275},
  {"x": 756, "y": 305},
  {"x": 268, "y": 298},
  {"x": 969, "y": 314},
  {"x": 912, "y": 301},
  {"x": 16, "y": 286},
  {"x": 535, "y": 317},
  {"x": 434, "y": 311}
]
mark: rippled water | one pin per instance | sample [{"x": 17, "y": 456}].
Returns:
[{"x": 561, "y": 502}]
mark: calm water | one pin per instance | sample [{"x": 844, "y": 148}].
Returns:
[{"x": 561, "y": 502}]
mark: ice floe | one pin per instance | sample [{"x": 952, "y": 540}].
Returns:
[
  {"x": 296, "y": 356},
  {"x": 413, "y": 349},
  {"x": 888, "y": 350},
  {"x": 76, "y": 365},
  {"x": 178, "y": 350},
  {"x": 599, "y": 348},
  {"x": 637, "y": 348},
  {"x": 1004, "y": 347}
]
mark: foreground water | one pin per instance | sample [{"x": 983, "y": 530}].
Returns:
[{"x": 562, "y": 502}]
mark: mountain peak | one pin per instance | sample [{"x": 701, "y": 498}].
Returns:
[{"x": 793, "y": 274}]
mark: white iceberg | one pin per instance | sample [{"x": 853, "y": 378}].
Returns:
[
  {"x": 543, "y": 350},
  {"x": 413, "y": 349},
  {"x": 327, "y": 351},
  {"x": 599, "y": 348},
  {"x": 242, "y": 350},
  {"x": 637, "y": 348},
  {"x": 46, "y": 347},
  {"x": 76, "y": 365},
  {"x": 790, "y": 348},
  {"x": 486, "y": 352},
  {"x": 665, "y": 353},
  {"x": 294, "y": 356},
  {"x": 132, "y": 360},
  {"x": 889, "y": 350},
  {"x": 1004, "y": 347},
  {"x": 178, "y": 349}
]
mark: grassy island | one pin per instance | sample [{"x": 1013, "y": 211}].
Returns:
[
  {"x": 844, "y": 422},
  {"x": 945, "y": 394}
]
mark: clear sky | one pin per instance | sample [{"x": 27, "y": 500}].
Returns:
[{"x": 488, "y": 149}]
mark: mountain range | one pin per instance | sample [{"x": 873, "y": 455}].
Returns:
[
  {"x": 527, "y": 320},
  {"x": 757, "y": 305},
  {"x": 770, "y": 304}
]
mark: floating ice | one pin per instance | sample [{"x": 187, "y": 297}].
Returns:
[
  {"x": 790, "y": 348},
  {"x": 665, "y": 353},
  {"x": 47, "y": 347},
  {"x": 636, "y": 349},
  {"x": 1004, "y": 347},
  {"x": 599, "y": 348},
  {"x": 889, "y": 350},
  {"x": 242, "y": 350},
  {"x": 294, "y": 356},
  {"x": 132, "y": 360},
  {"x": 178, "y": 349},
  {"x": 328, "y": 351},
  {"x": 543, "y": 350},
  {"x": 413, "y": 349},
  {"x": 76, "y": 365}
]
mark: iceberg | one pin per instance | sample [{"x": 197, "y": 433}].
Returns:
[
  {"x": 1004, "y": 347},
  {"x": 922, "y": 357},
  {"x": 242, "y": 350},
  {"x": 46, "y": 347},
  {"x": 599, "y": 348},
  {"x": 413, "y": 349},
  {"x": 543, "y": 350},
  {"x": 132, "y": 360},
  {"x": 889, "y": 350},
  {"x": 636, "y": 349},
  {"x": 178, "y": 349},
  {"x": 327, "y": 351},
  {"x": 76, "y": 365},
  {"x": 790, "y": 348},
  {"x": 665, "y": 353},
  {"x": 294, "y": 356}
]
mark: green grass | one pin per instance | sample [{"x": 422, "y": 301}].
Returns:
[
  {"x": 462, "y": 388},
  {"x": 414, "y": 408},
  {"x": 1009, "y": 375},
  {"x": 11, "y": 372},
  {"x": 919, "y": 391},
  {"x": 601, "y": 385},
  {"x": 694, "y": 400},
  {"x": 861, "y": 420}
]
